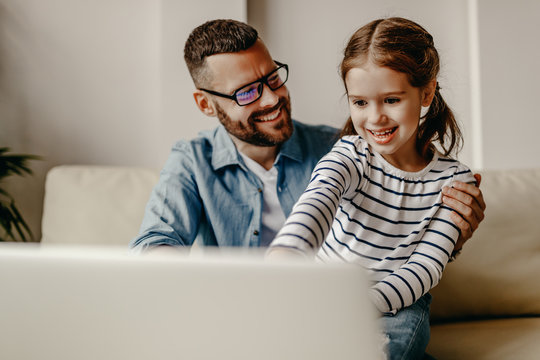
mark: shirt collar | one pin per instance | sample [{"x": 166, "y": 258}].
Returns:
[
  {"x": 225, "y": 153},
  {"x": 291, "y": 148}
]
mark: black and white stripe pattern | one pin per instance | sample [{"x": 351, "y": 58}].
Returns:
[{"x": 360, "y": 209}]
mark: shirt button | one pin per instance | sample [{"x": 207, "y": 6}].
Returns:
[
  {"x": 279, "y": 188},
  {"x": 260, "y": 190},
  {"x": 256, "y": 233}
]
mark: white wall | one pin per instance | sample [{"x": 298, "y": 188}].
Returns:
[
  {"x": 97, "y": 82},
  {"x": 180, "y": 118},
  {"x": 509, "y": 36}
]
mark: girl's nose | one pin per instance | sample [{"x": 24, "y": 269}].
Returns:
[{"x": 376, "y": 114}]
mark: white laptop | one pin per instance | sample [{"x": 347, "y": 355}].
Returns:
[{"x": 87, "y": 303}]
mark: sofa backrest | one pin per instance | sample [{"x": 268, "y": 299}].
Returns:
[
  {"x": 498, "y": 273},
  {"x": 95, "y": 205}
]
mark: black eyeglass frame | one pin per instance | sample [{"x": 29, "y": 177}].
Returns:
[{"x": 263, "y": 80}]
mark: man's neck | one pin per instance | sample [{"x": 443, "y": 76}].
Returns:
[{"x": 263, "y": 155}]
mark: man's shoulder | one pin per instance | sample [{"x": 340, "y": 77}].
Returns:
[
  {"x": 204, "y": 140},
  {"x": 323, "y": 135},
  {"x": 197, "y": 150},
  {"x": 315, "y": 130},
  {"x": 211, "y": 148}
]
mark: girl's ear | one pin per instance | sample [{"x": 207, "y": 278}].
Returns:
[
  {"x": 429, "y": 92},
  {"x": 203, "y": 103}
]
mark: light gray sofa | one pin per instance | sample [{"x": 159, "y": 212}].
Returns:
[
  {"x": 95, "y": 205},
  {"x": 487, "y": 305}
]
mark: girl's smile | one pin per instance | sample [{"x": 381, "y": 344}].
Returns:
[{"x": 383, "y": 136}]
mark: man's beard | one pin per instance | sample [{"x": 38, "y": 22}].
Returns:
[{"x": 249, "y": 132}]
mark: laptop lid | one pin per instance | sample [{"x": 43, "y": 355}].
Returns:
[{"x": 88, "y": 303}]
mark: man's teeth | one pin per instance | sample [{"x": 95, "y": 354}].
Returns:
[{"x": 269, "y": 117}]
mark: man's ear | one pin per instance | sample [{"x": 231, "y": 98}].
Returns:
[
  {"x": 203, "y": 103},
  {"x": 429, "y": 92}
]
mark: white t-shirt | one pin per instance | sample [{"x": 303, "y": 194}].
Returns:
[{"x": 273, "y": 216}]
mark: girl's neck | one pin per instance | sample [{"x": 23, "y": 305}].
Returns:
[{"x": 409, "y": 164}]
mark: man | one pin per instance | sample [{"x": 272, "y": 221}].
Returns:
[{"x": 235, "y": 185}]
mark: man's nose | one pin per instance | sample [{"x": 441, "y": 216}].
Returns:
[{"x": 268, "y": 97}]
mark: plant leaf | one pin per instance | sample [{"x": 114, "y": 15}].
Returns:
[
  {"x": 21, "y": 223},
  {"x": 10, "y": 218},
  {"x": 6, "y": 219}
]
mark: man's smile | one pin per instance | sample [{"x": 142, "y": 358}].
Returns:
[{"x": 272, "y": 115}]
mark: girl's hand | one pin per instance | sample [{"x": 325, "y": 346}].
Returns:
[
  {"x": 468, "y": 202},
  {"x": 280, "y": 253}
]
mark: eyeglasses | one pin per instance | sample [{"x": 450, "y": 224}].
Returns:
[{"x": 251, "y": 92}]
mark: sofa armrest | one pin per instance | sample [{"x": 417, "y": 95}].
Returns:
[{"x": 95, "y": 204}]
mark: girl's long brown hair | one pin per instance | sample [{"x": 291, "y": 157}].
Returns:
[{"x": 403, "y": 45}]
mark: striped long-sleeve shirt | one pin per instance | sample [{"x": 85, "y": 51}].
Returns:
[{"x": 360, "y": 209}]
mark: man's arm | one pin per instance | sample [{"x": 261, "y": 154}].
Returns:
[
  {"x": 469, "y": 206},
  {"x": 173, "y": 212}
]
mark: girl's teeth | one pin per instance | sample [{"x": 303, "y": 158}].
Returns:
[{"x": 382, "y": 133}]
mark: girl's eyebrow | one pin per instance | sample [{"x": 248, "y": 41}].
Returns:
[{"x": 397, "y": 92}]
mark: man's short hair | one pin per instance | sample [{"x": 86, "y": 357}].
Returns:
[{"x": 215, "y": 37}]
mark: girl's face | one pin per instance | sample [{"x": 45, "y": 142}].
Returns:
[{"x": 385, "y": 111}]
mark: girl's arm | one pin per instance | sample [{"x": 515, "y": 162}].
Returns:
[
  {"x": 311, "y": 218},
  {"x": 424, "y": 268},
  {"x": 422, "y": 271}
]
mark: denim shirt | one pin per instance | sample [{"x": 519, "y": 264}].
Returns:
[{"x": 205, "y": 190}]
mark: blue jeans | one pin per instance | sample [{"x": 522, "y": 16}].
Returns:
[{"x": 408, "y": 330}]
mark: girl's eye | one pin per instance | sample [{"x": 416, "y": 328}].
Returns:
[
  {"x": 391, "y": 100},
  {"x": 360, "y": 102}
]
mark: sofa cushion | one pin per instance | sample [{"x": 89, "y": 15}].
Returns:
[
  {"x": 95, "y": 204},
  {"x": 498, "y": 272},
  {"x": 489, "y": 339}
]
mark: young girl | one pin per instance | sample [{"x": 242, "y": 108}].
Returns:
[{"x": 375, "y": 199}]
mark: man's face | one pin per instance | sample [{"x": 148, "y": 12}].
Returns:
[{"x": 265, "y": 122}]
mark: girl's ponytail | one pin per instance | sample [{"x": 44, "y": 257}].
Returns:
[
  {"x": 348, "y": 128},
  {"x": 439, "y": 124}
]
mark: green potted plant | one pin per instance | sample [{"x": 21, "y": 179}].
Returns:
[{"x": 11, "y": 221}]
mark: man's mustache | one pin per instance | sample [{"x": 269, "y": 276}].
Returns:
[{"x": 281, "y": 103}]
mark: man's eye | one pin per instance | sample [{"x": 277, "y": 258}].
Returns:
[
  {"x": 391, "y": 100},
  {"x": 247, "y": 94},
  {"x": 274, "y": 77},
  {"x": 274, "y": 80}
]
